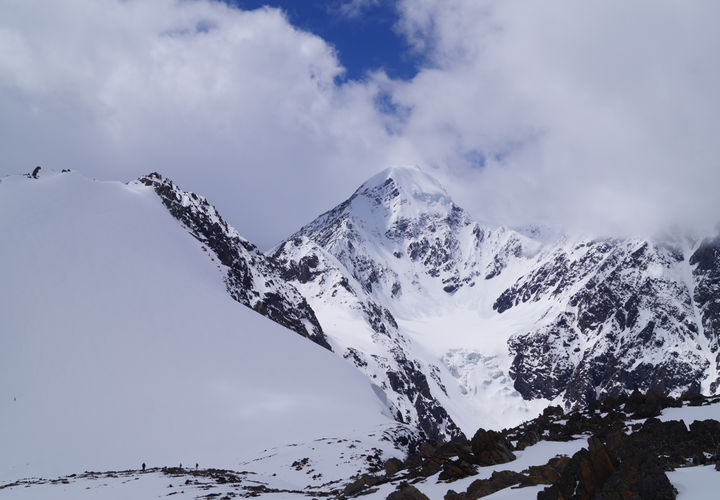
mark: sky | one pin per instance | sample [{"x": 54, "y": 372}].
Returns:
[{"x": 592, "y": 116}]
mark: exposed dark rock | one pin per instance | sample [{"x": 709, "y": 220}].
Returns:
[
  {"x": 584, "y": 475},
  {"x": 392, "y": 466},
  {"x": 490, "y": 448},
  {"x": 244, "y": 262},
  {"x": 456, "y": 469},
  {"x": 541, "y": 474},
  {"x": 648, "y": 405},
  {"x": 406, "y": 492},
  {"x": 621, "y": 466},
  {"x": 413, "y": 383},
  {"x": 496, "y": 482}
]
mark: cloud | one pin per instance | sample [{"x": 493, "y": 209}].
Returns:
[
  {"x": 599, "y": 115},
  {"x": 355, "y": 8},
  {"x": 592, "y": 115},
  {"x": 240, "y": 106}
]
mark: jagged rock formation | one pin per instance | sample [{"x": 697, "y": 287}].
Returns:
[{"x": 252, "y": 279}]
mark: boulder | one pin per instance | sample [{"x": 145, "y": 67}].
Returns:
[
  {"x": 490, "y": 448},
  {"x": 406, "y": 492},
  {"x": 393, "y": 465}
]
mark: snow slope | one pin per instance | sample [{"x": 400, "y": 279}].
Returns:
[{"x": 120, "y": 344}]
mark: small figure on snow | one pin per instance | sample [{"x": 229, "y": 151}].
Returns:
[
  {"x": 35, "y": 172},
  {"x": 196, "y": 465},
  {"x": 143, "y": 466}
]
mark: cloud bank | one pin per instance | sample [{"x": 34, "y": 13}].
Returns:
[{"x": 597, "y": 116}]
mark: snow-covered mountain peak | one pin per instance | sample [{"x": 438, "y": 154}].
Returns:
[
  {"x": 405, "y": 187},
  {"x": 398, "y": 250},
  {"x": 400, "y": 233}
]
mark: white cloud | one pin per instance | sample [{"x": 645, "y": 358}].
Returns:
[
  {"x": 601, "y": 114},
  {"x": 236, "y": 105},
  {"x": 354, "y": 8}
]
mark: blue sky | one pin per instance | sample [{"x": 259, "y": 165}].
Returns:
[{"x": 364, "y": 42}]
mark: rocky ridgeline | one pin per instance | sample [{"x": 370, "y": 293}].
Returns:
[
  {"x": 252, "y": 278},
  {"x": 629, "y": 450}
]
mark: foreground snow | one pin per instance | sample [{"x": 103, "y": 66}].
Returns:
[
  {"x": 696, "y": 483},
  {"x": 119, "y": 344},
  {"x": 314, "y": 468},
  {"x": 273, "y": 472}
]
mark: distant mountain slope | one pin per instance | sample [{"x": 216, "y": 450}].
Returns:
[{"x": 119, "y": 343}]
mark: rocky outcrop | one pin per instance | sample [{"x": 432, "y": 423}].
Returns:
[
  {"x": 499, "y": 480},
  {"x": 490, "y": 448},
  {"x": 406, "y": 492},
  {"x": 251, "y": 278}
]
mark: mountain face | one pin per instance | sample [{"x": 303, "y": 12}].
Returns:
[
  {"x": 629, "y": 320},
  {"x": 437, "y": 308},
  {"x": 402, "y": 237}
]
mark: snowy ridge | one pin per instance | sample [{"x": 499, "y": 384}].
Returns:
[{"x": 252, "y": 279}]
